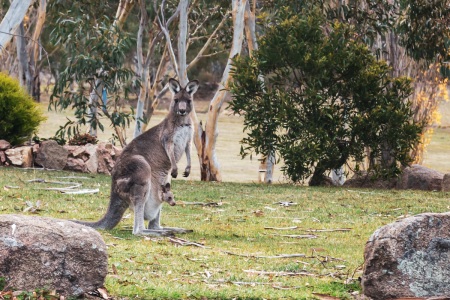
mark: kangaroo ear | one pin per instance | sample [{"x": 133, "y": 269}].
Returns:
[
  {"x": 163, "y": 188},
  {"x": 174, "y": 85},
  {"x": 167, "y": 187},
  {"x": 192, "y": 87}
]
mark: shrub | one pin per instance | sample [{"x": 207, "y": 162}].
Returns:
[
  {"x": 319, "y": 99},
  {"x": 20, "y": 116}
]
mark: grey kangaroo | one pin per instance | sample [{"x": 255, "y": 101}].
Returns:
[{"x": 140, "y": 174}]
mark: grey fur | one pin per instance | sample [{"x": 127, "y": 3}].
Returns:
[{"x": 139, "y": 178}]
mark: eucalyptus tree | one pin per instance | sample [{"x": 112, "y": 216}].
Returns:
[{"x": 27, "y": 61}]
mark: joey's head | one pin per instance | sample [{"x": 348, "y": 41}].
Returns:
[
  {"x": 182, "y": 97},
  {"x": 167, "y": 195}
]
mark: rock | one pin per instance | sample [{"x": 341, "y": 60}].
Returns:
[
  {"x": 2, "y": 158},
  {"x": 21, "y": 156},
  {"x": 446, "y": 183},
  {"x": 51, "y": 155},
  {"x": 75, "y": 164},
  {"x": 82, "y": 158},
  {"x": 4, "y": 145},
  {"x": 419, "y": 177},
  {"x": 409, "y": 258},
  {"x": 106, "y": 158},
  {"x": 59, "y": 255},
  {"x": 92, "y": 160},
  {"x": 363, "y": 179}
]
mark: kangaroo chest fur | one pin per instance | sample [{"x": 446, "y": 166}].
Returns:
[{"x": 181, "y": 137}]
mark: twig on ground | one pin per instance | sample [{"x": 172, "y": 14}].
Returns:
[
  {"x": 298, "y": 236},
  {"x": 328, "y": 230},
  {"x": 285, "y": 203},
  {"x": 277, "y": 274},
  {"x": 282, "y": 228},
  {"x": 200, "y": 203},
  {"x": 183, "y": 242},
  {"x": 74, "y": 177},
  {"x": 78, "y": 192},
  {"x": 265, "y": 256}
]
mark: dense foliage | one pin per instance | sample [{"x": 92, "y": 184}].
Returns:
[
  {"x": 93, "y": 80},
  {"x": 316, "y": 95},
  {"x": 20, "y": 116}
]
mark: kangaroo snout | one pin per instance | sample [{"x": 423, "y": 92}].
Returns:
[{"x": 182, "y": 108}]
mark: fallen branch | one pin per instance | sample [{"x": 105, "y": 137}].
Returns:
[
  {"x": 74, "y": 177},
  {"x": 183, "y": 242},
  {"x": 78, "y": 192},
  {"x": 201, "y": 203},
  {"x": 264, "y": 256},
  {"x": 39, "y": 180},
  {"x": 282, "y": 228},
  {"x": 285, "y": 203},
  {"x": 276, "y": 274},
  {"x": 298, "y": 236},
  {"x": 328, "y": 230}
]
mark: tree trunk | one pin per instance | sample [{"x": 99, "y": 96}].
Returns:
[
  {"x": 22, "y": 57},
  {"x": 268, "y": 161},
  {"x": 205, "y": 139},
  {"x": 34, "y": 50},
  {"x": 12, "y": 20},
  {"x": 142, "y": 70}
]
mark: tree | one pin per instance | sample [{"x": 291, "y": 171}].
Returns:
[
  {"x": 27, "y": 42},
  {"x": 205, "y": 138},
  {"x": 324, "y": 100},
  {"x": 93, "y": 81}
]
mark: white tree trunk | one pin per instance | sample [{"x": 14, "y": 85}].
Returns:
[
  {"x": 141, "y": 70},
  {"x": 205, "y": 139},
  {"x": 183, "y": 30},
  {"x": 268, "y": 161},
  {"x": 12, "y": 20}
]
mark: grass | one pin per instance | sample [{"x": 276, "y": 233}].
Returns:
[{"x": 234, "y": 235}]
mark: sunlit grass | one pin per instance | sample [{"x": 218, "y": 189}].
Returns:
[{"x": 231, "y": 263}]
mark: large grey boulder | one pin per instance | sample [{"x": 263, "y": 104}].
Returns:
[
  {"x": 50, "y": 155},
  {"x": 37, "y": 252},
  {"x": 418, "y": 177},
  {"x": 409, "y": 258}
]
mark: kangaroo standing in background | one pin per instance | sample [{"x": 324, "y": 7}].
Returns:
[{"x": 140, "y": 174}]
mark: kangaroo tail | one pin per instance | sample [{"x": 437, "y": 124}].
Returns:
[{"x": 116, "y": 209}]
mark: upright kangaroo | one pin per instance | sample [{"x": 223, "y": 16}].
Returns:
[{"x": 140, "y": 174}]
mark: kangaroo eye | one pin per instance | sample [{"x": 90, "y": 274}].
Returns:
[{"x": 176, "y": 100}]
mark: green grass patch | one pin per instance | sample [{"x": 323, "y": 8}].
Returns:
[{"x": 241, "y": 257}]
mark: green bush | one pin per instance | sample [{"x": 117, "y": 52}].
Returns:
[{"x": 19, "y": 114}]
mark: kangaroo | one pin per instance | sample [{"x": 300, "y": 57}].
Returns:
[{"x": 140, "y": 174}]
